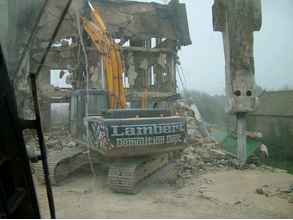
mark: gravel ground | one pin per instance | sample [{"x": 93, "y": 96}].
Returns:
[{"x": 219, "y": 193}]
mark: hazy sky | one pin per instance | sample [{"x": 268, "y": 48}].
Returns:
[{"x": 203, "y": 61}]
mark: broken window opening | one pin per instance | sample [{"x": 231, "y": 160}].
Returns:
[
  {"x": 153, "y": 76},
  {"x": 126, "y": 44},
  {"x": 67, "y": 41},
  {"x": 165, "y": 77},
  {"x": 125, "y": 81},
  {"x": 154, "y": 43},
  {"x": 60, "y": 79}
]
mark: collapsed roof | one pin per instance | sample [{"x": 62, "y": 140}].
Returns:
[
  {"x": 141, "y": 20},
  {"x": 126, "y": 19}
]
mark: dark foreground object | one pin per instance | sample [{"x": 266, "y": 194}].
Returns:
[{"x": 17, "y": 193}]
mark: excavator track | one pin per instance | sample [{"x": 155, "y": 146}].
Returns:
[
  {"x": 61, "y": 164},
  {"x": 127, "y": 176}
]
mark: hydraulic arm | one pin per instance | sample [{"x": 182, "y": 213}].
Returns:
[{"x": 111, "y": 58}]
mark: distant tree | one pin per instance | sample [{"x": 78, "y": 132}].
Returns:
[
  {"x": 259, "y": 90},
  {"x": 286, "y": 87},
  {"x": 212, "y": 108}
]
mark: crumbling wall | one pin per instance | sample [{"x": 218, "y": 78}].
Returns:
[
  {"x": 141, "y": 20},
  {"x": 141, "y": 66},
  {"x": 152, "y": 70},
  {"x": 139, "y": 23}
]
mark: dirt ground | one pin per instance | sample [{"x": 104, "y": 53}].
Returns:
[{"x": 224, "y": 193}]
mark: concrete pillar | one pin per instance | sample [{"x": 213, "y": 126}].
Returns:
[{"x": 237, "y": 20}]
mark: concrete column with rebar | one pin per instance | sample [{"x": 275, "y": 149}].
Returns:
[{"x": 237, "y": 20}]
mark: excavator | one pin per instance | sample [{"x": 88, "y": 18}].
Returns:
[{"x": 133, "y": 143}]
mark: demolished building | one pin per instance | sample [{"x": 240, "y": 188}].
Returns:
[
  {"x": 74, "y": 79},
  {"x": 150, "y": 35}
]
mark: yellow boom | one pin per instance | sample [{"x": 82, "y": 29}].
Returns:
[{"x": 112, "y": 58}]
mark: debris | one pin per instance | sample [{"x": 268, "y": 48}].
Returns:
[
  {"x": 55, "y": 140},
  {"x": 260, "y": 191},
  {"x": 71, "y": 144},
  {"x": 179, "y": 183},
  {"x": 281, "y": 192},
  {"x": 203, "y": 152},
  {"x": 238, "y": 203},
  {"x": 192, "y": 131},
  {"x": 268, "y": 190},
  {"x": 208, "y": 181},
  {"x": 252, "y": 166},
  {"x": 264, "y": 152},
  {"x": 234, "y": 163},
  {"x": 217, "y": 154},
  {"x": 202, "y": 155}
]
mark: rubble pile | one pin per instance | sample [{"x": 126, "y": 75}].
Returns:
[
  {"x": 201, "y": 157},
  {"x": 60, "y": 140},
  {"x": 55, "y": 140},
  {"x": 202, "y": 154}
]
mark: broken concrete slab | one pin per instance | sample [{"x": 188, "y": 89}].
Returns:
[{"x": 141, "y": 20}]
